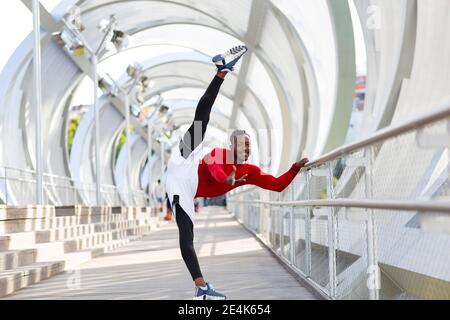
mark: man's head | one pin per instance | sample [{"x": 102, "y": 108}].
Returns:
[
  {"x": 240, "y": 145},
  {"x": 159, "y": 181}
]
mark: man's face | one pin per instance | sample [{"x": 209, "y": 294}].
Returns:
[{"x": 241, "y": 148}]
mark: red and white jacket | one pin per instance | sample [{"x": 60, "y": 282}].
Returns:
[{"x": 216, "y": 166}]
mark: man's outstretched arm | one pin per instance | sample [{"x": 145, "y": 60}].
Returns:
[
  {"x": 269, "y": 182},
  {"x": 194, "y": 137}
]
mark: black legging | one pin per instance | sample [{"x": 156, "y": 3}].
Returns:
[
  {"x": 191, "y": 140},
  {"x": 186, "y": 229},
  {"x": 196, "y": 132}
]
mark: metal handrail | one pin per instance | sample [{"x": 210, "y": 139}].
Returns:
[
  {"x": 50, "y": 175},
  {"x": 423, "y": 206},
  {"x": 380, "y": 136},
  {"x": 261, "y": 217},
  {"x": 59, "y": 182},
  {"x": 443, "y": 111}
]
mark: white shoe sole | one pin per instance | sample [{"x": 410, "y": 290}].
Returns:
[
  {"x": 205, "y": 297},
  {"x": 219, "y": 60}
]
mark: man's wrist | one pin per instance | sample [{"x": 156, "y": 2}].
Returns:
[{"x": 296, "y": 168}]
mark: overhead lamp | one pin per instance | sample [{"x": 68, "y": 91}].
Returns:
[
  {"x": 146, "y": 111},
  {"x": 114, "y": 90},
  {"x": 105, "y": 86},
  {"x": 168, "y": 134},
  {"x": 105, "y": 24},
  {"x": 114, "y": 37},
  {"x": 155, "y": 101},
  {"x": 73, "y": 45},
  {"x": 142, "y": 118},
  {"x": 135, "y": 110},
  {"x": 68, "y": 37},
  {"x": 134, "y": 70},
  {"x": 59, "y": 38},
  {"x": 140, "y": 98},
  {"x": 120, "y": 40},
  {"x": 78, "y": 49},
  {"x": 163, "y": 110},
  {"x": 167, "y": 118},
  {"x": 146, "y": 82},
  {"x": 74, "y": 19}
]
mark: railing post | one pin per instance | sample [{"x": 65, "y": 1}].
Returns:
[
  {"x": 246, "y": 209},
  {"x": 128, "y": 152},
  {"x": 6, "y": 185},
  {"x": 75, "y": 195},
  {"x": 150, "y": 147},
  {"x": 249, "y": 216},
  {"x": 67, "y": 200},
  {"x": 241, "y": 208},
  {"x": 98, "y": 172},
  {"x": 248, "y": 212},
  {"x": 38, "y": 100},
  {"x": 308, "y": 215},
  {"x": 291, "y": 228},
  {"x": 373, "y": 282},
  {"x": 280, "y": 217},
  {"x": 163, "y": 159},
  {"x": 272, "y": 229},
  {"x": 265, "y": 214},
  {"x": 261, "y": 215},
  {"x": 331, "y": 235},
  {"x": 254, "y": 218},
  {"x": 280, "y": 227}
]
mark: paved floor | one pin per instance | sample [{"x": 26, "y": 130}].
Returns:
[{"x": 230, "y": 257}]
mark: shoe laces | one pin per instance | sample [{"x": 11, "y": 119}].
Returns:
[{"x": 235, "y": 51}]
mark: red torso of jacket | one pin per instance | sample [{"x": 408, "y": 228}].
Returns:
[{"x": 216, "y": 166}]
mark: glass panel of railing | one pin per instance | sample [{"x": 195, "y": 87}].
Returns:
[
  {"x": 49, "y": 198},
  {"x": 299, "y": 239},
  {"x": 319, "y": 247},
  {"x": 273, "y": 216},
  {"x": 277, "y": 231},
  {"x": 265, "y": 221},
  {"x": 3, "y": 187},
  {"x": 349, "y": 175},
  {"x": 391, "y": 254},
  {"x": 286, "y": 232},
  {"x": 412, "y": 251},
  {"x": 299, "y": 187},
  {"x": 21, "y": 186},
  {"x": 351, "y": 252},
  {"x": 413, "y": 165},
  {"x": 318, "y": 183}
]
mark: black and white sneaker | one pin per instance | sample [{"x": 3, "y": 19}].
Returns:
[
  {"x": 209, "y": 294},
  {"x": 227, "y": 61}
]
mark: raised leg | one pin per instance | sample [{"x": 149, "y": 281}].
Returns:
[{"x": 196, "y": 132}]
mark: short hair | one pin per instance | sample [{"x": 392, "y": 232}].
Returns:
[{"x": 238, "y": 133}]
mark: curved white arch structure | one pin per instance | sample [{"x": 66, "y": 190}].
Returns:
[
  {"x": 361, "y": 205},
  {"x": 287, "y": 109}
]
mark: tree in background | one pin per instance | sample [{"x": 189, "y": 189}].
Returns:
[
  {"x": 122, "y": 140},
  {"x": 73, "y": 126}
]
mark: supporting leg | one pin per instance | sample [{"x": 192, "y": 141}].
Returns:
[{"x": 186, "y": 230}]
